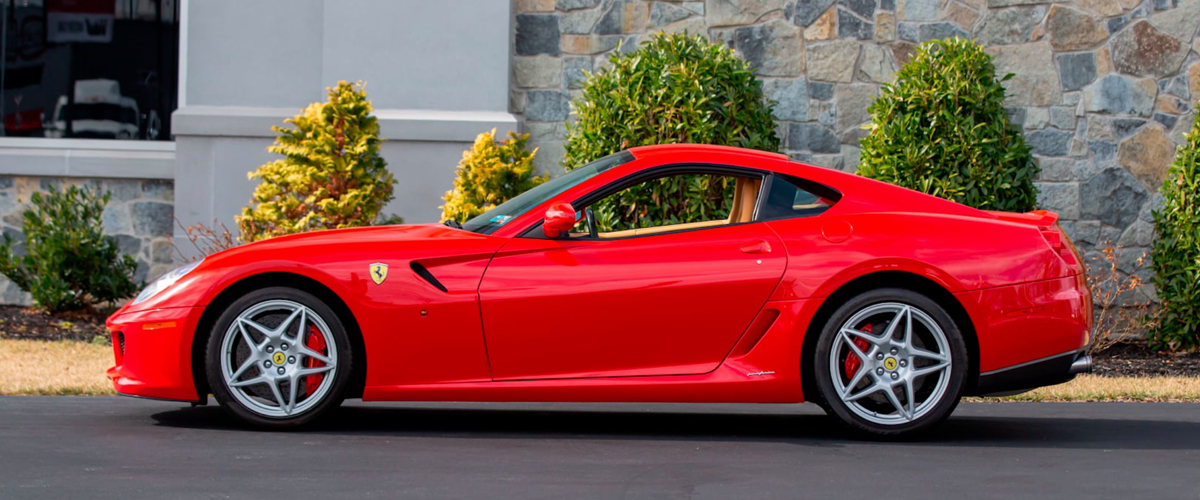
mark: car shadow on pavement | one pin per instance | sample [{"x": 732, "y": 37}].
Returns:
[{"x": 801, "y": 429}]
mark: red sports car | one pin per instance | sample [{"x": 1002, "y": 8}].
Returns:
[{"x": 793, "y": 283}]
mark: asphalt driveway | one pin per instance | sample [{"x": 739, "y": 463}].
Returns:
[{"x": 109, "y": 447}]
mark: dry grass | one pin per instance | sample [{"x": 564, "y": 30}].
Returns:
[
  {"x": 1097, "y": 388},
  {"x": 63, "y": 368}
]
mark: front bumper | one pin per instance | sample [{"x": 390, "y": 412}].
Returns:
[
  {"x": 1037, "y": 373},
  {"x": 153, "y": 351}
]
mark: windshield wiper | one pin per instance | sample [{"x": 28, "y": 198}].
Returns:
[{"x": 452, "y": 223}]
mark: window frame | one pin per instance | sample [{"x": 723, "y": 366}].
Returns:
[
  {"x": 533, "y": 231},
  {"x": 810, "y": 186}
]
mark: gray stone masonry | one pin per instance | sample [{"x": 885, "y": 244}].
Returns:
[{"x": 1104, "y": 89}]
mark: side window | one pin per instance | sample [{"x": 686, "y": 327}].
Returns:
[
  {"x": 790, "y": 197},
  {"x": 672, "y": 203}
]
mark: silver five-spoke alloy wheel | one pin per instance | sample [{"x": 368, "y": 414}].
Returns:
[
  {"x": 890, "y": 363},
  {"x": 278, "y": 358}
]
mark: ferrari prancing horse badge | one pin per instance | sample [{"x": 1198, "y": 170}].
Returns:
[{"x": 378, "y": 272}]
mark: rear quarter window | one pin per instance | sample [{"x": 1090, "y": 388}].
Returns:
[{"x": 791, "y": 197}]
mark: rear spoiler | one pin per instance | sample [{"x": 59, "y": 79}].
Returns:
[{"x": 1039, "y": 218}]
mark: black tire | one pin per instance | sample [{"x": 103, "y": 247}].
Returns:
[
  {"x": 859, "y": 414},
  {"x": 243, "y": 407}
]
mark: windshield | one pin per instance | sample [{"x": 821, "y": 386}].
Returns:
[{"x": 491, "y": 220}]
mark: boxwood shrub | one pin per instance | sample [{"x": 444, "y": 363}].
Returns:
[{"x": 941, "y": 128}]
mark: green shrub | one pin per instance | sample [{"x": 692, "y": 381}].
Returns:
[
  {"x": 671, "y": 200},
  {"x": 490, "y": 173},
  {"x": 331, "y": 176},
  {"x": 1175, "y": 256},
  {"x": 673, "y": 89},
  {"x": 941, "y": 129},
  {"x": 70, "y": 263}
]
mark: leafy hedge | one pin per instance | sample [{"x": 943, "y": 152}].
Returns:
[
  {"x": 1175, "y": 256},
  {"x": 673, "y": 89},
  {"x": 940, "y": 128},
  {"x": 70, "y": 263}
]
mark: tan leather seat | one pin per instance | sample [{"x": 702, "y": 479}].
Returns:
[{"x": 745, "y": 198}]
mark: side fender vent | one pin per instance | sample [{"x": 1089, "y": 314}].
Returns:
[
  {"x": 755, "y": 333},
  {"x": 427, "y": 276}
]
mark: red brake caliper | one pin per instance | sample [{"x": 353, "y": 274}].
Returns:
[
  {"x": 316, "y": 342},
  {"x": 852, "y": 363}
]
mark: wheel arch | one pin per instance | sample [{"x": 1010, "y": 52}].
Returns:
[
  {"x": 887, "y": 279},
  {"x": 269, "y": 279}
]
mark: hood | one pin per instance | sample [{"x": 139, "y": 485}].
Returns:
[
  {"x": 365, "y": 235},
  {"x": 323, "y": 254}
]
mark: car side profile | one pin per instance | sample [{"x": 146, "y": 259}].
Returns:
[{"x": 793, "y": 283}]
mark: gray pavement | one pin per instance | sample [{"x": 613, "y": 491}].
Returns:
[{"x": 108, "y": 447}]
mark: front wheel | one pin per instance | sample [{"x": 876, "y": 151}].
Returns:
[
  {"x": 278, "y": 357},
  {"x": 890, "y": 362}
]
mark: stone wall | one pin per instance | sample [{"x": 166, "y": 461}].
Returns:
[
  {"x": 1103, "y": 88},
  {"x": 140, "y": 215}
]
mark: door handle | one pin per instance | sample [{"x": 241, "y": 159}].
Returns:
[{"x": 759, "y": 246}]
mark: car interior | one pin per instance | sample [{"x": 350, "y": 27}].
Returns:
[{"x": 786, "y": 197}]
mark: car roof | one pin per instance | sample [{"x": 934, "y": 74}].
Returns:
[
  {"x": 646, "y": 151},
  {"x": 867, "y": 195}
]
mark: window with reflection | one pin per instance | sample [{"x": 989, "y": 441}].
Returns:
[{"x": 94, "y": 69}]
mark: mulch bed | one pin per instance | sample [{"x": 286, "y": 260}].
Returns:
[
  {"x": 17, "y": 322},
  {"x": 1121, "y": 360},
  {"x": 1135, "y": 359}
]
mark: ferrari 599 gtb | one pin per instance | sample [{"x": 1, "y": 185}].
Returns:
[{"x": 883, "y": 305}]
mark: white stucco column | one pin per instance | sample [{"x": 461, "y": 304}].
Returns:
[{"x": 436, "y": 72}]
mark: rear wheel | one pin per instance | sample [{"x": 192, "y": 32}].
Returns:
[
  {"x": 279, "y": 357},
  {"x": 890, "y": 362}
]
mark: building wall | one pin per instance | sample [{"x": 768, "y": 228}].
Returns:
[
  {"x": 436, "y": 72},
  {"x": 413, "y": 54},
  {"x": 1103, "y": 88}
]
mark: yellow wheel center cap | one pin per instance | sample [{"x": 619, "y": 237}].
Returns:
[
  {"x": 889, "y": 363},
  {"x": 279, "y": 358}
]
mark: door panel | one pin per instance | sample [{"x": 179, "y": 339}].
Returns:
[{"x": 664, "y": 304}]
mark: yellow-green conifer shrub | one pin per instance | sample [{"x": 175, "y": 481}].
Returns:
[
  {"x": 1175, "y": 256},
  {"x": 331, "y": 176},
  {"x": 490, "y": 173}
]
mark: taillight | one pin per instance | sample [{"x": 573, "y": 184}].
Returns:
[
  {"x": 1053, "y": 238},
  {"x": 1061, "y": 244}
]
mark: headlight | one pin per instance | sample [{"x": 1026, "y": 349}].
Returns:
[{"x": 166, "y": 280}]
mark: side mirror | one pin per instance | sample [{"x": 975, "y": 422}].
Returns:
[{"x": 560, "y": 218}]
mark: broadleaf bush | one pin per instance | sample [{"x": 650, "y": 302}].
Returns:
[
  {"x": 331, "y": 176},
  {"x": 674, "y": 88},
  {"x": 70, "y": 263},
  {"x": 672, "y": 200},
  {"x": 490, "y": 173},
  {"x": 941, "y": 129},
  {"x": 1175, "y": 255}
]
